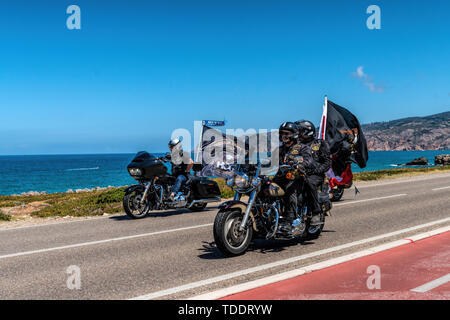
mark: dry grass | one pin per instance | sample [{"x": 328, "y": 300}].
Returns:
[{"x": 398, "y": 172}]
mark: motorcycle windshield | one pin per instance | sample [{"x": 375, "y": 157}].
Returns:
[{"x": 220, "y": 153}]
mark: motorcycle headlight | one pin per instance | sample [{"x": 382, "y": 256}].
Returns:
[
  {"x": 241, "y": 181},
  {"x": 135, "y": 171}
]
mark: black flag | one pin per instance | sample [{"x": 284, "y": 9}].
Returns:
[{"x": 340, "y": 128}]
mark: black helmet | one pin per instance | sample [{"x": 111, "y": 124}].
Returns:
[
  {"x": 289, "y": 127},
  {"x": 174, "y": 142},
  {"x": 306, "y": 130}
]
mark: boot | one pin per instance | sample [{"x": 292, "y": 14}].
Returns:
[
  {"x": 315, "y": 220},
  {"x": 286, "y": 223}
]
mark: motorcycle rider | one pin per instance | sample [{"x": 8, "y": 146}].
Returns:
[
  {"x": 317, "y": 158},
  {"x": 288, "y": 135},
  {"x": 181, "y": 166}
]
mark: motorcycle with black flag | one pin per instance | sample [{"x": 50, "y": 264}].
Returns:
[{"x": 341, "y": 129}]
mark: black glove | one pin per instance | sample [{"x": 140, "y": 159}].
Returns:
[{"x": 300, "y": 167}]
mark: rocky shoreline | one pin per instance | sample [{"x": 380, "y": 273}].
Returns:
[
  {"x": 443, "y": 159},
  {"x": 439, "y": 160},
  {"x": 43, "y": 193}
]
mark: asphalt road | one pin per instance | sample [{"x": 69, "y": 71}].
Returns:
[{"x": 171, "y": 255}]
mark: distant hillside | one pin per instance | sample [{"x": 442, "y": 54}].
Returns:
[{"x": 415, "y": 133}]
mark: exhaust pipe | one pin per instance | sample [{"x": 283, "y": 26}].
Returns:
[{"x": 216, "y": 199}]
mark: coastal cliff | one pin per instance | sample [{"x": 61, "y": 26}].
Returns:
[{"x": 414, "y": 133}]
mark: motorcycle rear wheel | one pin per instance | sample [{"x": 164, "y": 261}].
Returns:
[
  {"x": 228, "y": 238},
  {"x": 313, "y": 232},
  {"x": 337, "y": 194}
]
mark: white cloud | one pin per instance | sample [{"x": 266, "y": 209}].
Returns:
[
  {"x": 360, "y": 73},
  {"x": 367, "y": 80}
]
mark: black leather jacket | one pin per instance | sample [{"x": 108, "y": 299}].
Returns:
[{"x": 317, "y": 157}]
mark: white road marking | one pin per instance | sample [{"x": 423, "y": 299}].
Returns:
[
  {"x": 193, "y": 285},
  {"x": 432, "y": 284},
  {"x": 102, "y": 241},
  {"x": 435, "y": 189},
  {"x": 372, "y": 199},
  {"x": 317, "y": 266}
]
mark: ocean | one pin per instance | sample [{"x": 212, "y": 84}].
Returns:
[{"x": 59, "y": 173}]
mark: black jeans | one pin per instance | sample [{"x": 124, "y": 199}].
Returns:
[
  {"x": 312, "y": 184},
  {"x": 290, "y": 188}
]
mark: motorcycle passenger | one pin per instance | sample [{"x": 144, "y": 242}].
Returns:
[
  {"x": 181, "y": 166},
  {"x": 316, "y": 164},
  {"x": 288, "y": 135},
  {"x": 340, "y": 156}
]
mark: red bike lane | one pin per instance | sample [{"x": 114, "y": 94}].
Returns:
[{"x": 420, "y": 270}]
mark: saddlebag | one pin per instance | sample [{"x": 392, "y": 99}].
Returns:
[{"x": 205, "y": 189}]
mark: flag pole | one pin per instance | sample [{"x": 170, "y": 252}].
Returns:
[
  {"x": 323, "y": 121},
  {"x": 325, "y": 106},
  {"x": 199, "y": 147}
]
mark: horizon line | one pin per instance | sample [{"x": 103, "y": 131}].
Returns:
[{"x": 123, "y": 153}]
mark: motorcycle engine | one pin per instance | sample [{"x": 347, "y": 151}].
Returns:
[{"x": 179, "y": 202}]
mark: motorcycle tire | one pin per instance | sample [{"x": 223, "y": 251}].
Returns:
[
  {"x": 337, "y": 194},
  {"x": 132, "y": 206},
  {"x": 313, "y": 232},
  {"x": 228, "y": 238}
]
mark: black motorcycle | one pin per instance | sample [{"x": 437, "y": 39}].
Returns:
[
  {"x": 155, "y": 184},
  {"x": 237, "y": 223}
]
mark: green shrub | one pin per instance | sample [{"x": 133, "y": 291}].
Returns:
[
  {"x": 4, "y": 216},
  {"x": 112, "y": 196},
  {"x": 93, "y": 203},
  {"x": 225, "y": 191}
]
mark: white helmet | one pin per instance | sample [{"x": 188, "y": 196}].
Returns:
[{"x": 174, "y": 142}]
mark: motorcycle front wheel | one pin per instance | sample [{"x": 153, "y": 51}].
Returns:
[
  {"x": 227, "y": 236},
  {"x": 133, "y": 206}
]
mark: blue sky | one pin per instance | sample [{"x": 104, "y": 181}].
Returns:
[{"x": 139, "y": 69}]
